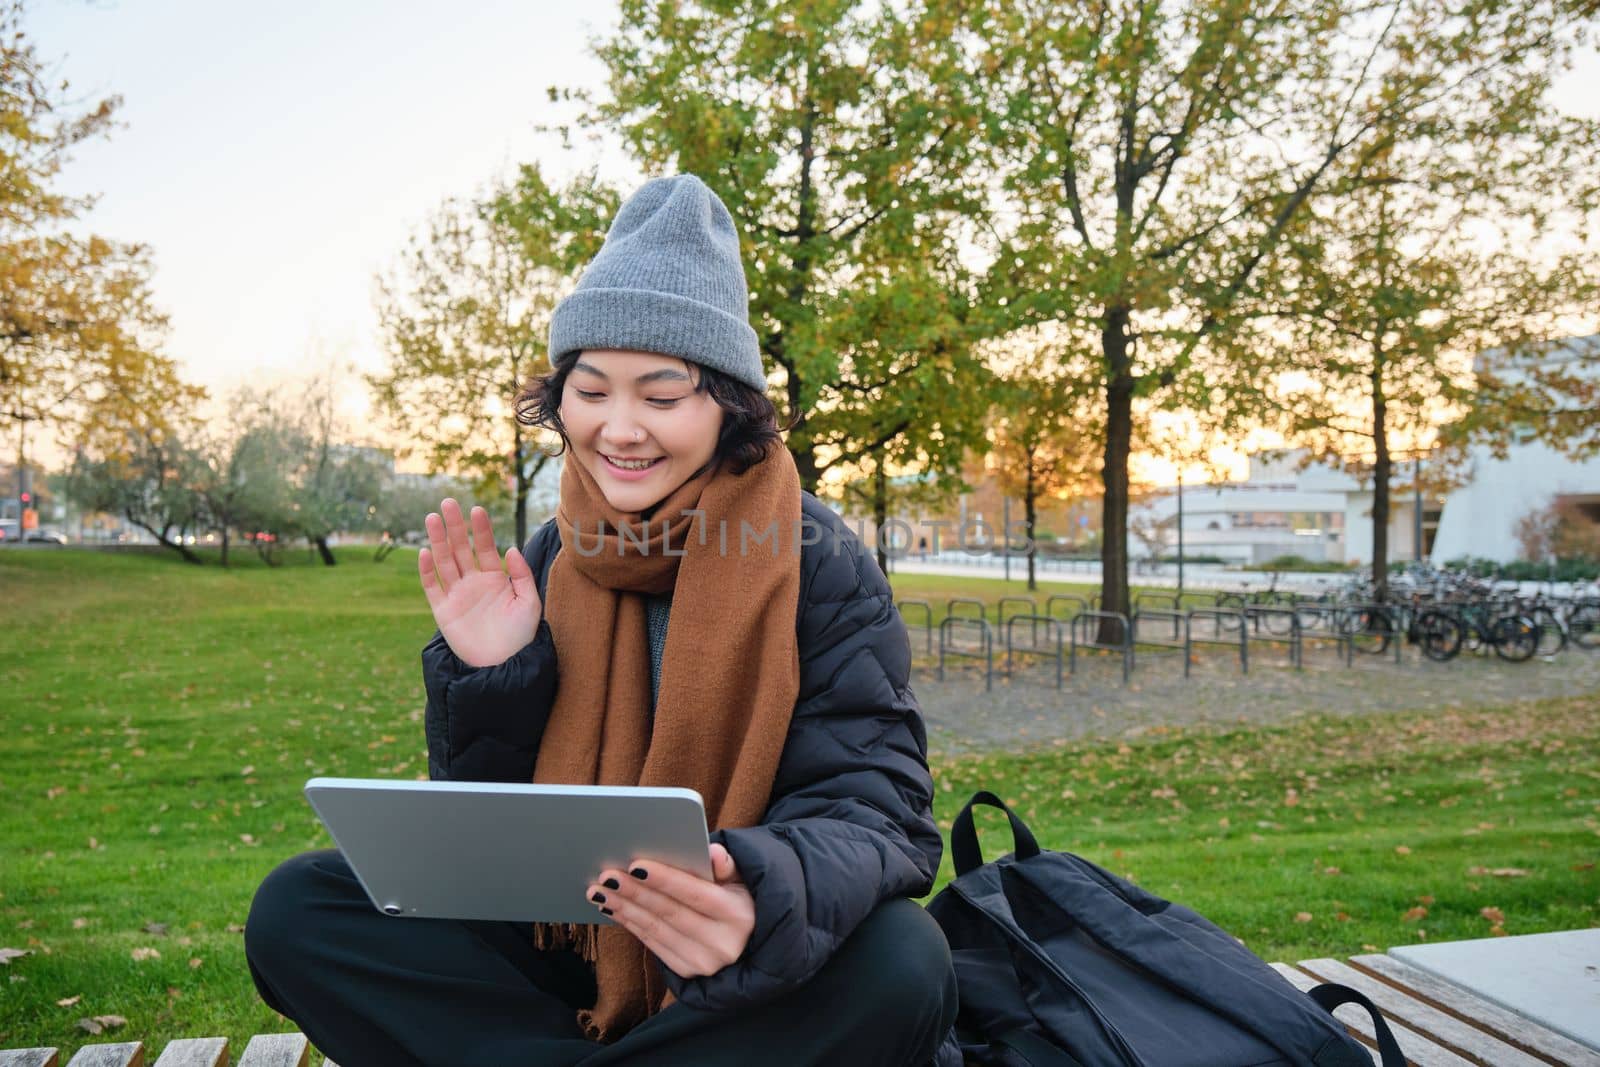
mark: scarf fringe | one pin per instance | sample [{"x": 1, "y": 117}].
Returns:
[{"x": 584, "y": 939}]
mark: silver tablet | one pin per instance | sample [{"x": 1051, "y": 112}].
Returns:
[{"x": 498, "y": 850}]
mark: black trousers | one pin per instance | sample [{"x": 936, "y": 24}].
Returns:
[{"x": 370, "y": 989}]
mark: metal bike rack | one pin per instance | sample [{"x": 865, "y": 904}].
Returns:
[
  {"x": 1258, "y": 614},
  {"x": 1027, "y": 601},
  {"x": 1078, "y": 604},
  {"x": 1052, "y": 626},
  {"x": 1172, "y": 619},
  {"x": 1216, "y": 616},
  {"x": 1147, "y": 601},
  {"x": 1396, "y": 635},
  {"x": 1080, "y": 639},
  {"x": 927, "y": 608},
  {"x": 948, "y": 648},
  {"x": 966, "y": 602},
  {"x": 1323, "y": 625}
]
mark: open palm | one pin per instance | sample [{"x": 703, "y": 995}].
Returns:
[{"x": 486, "y": 614}]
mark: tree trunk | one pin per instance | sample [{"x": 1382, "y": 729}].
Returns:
[
  {"x": 880, "y": 512},
  {"x": 521, "y": 483},
  {"x": 805, "y": 462},
  {"x": 161, "y": 535},
  {"x": 804, "y": 232},
  {"x": 1381, "y": 469},
  {"x": 1114, "y": 476},
  {"x": 321, "y": 543},
  {"x": 1030, "y": 514},
  {"x": 224, "y": 544}
]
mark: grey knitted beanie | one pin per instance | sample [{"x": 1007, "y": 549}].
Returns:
[{"x": 667, "y": 280}]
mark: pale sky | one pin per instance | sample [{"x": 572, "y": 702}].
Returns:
[{"x": 276, "y": 156}]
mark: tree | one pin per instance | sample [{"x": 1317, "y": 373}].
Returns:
[
  {"x": 336, "y": 485},
  {"x": 1037, "y": 447},
  {"x": 75, "y": 312},
  {"x": 465, "y": 319},
  {"x": 1545, "y": 390},
  {"x": 143, "y": 465},
  {"x": 1154, "y": 155},
  {"x": 1384, "y": 301},
  {"x": 839, "y": 138}
]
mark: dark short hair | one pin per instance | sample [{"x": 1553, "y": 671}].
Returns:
[{"x": 749, "y": 418}]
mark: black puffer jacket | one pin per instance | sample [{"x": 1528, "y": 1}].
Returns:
[{"x": 850, "y": 822}]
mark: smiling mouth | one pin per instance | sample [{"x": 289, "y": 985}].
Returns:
[{"x": 631, "y": 464}]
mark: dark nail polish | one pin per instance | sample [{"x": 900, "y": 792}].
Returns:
[
  {"x": 640, "y": 873},
  {"x": 606, "y": 911},
  {"x": 599, "y": 898},
  {"x": 611, "y": 883}
]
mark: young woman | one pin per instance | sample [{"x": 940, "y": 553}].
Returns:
[{"x": 690, "y": 617}]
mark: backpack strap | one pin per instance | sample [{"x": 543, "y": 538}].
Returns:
[
  {"x": 964, "y": 848},
  {"x": 1330, "y": 995},
  {"x": 1039, "y": 1052}
]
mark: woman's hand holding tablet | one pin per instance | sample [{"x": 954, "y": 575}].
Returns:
[{"x": 693, "y": 925}]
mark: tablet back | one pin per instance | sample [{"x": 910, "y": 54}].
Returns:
[{"x": 498, "y": 850}]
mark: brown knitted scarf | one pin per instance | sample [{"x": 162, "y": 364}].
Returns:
[{"x": 730, "y": 673}]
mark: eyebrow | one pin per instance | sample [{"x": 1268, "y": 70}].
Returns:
[{"x": 666, "y": 374}]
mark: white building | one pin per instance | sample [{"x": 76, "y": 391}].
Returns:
[
  {"x": 1319, "y": 514},
  {"x": 1480, "y": 518}
]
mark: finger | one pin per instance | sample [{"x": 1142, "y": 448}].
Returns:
[
  {"x": 488, "y": 557},
  {"x": 455, "y": 527},
  {"x": 443, "y": 559},
  {"x": 723, "y": 869},
  {"x": 663, "y": 883},
  {"x": 670, "y": 930},
  {"x": 430, "y": 579}
]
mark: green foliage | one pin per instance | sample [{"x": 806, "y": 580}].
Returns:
[
  {"x": 1156, "y": 159},
  {"x": 1293, "y": 562},
  {"x": 77, "y": 327},
  {"x": 840, "y": 138},
  {"x": 1560, "y": 570}
]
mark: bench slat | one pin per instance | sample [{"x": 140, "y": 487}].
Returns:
[
  {"x": 122, "y": 1054},
  {"x": 276, "y": 1050},
  {"x": 1442, "y": 1027},
  {"x": 29, "y": 1057},
  {"x": 1302, "y": 983},
  {"x": 1513, "y": 1028},
  {"x": 195, "y": 1052},
  {"x": 1419, "y": 1050}
]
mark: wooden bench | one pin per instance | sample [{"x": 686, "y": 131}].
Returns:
[
  {"x": 264, "y": 1050},
  {"x": 1438, "y": 1024}
]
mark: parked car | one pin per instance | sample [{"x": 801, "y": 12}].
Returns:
[
  {"x": 10, "y": 530},
  {"x": 49, "y": 537}
]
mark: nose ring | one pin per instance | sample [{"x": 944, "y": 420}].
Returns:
[{"x": 638, "y": 436}]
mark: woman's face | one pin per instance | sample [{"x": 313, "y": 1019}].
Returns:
[{"x": 635, "y": 421}]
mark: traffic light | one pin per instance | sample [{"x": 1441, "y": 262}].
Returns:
[{"x": 27, "y": 498}]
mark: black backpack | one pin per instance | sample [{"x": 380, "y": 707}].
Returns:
[{"x": 1060, "y": 963}]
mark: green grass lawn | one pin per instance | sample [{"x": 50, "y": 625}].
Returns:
[{"x": 160, "y": 718}]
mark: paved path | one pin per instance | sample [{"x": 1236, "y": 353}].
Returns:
[{"x": 1028, "y": 710}]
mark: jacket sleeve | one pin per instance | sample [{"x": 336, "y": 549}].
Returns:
[
  {"x": 850, "y": 823},
  {"x": 484, "y": 724}
]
